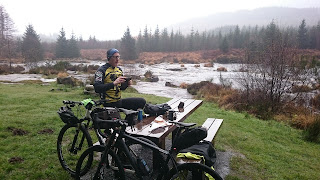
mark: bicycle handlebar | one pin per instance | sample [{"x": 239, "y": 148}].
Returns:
[
  {"x": 111, "y": 123},
  {"x": 69, "y": 102},
  {"x": 96, "y": 103}
]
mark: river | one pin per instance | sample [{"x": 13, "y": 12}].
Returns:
[{"x": 173, "y": 73}]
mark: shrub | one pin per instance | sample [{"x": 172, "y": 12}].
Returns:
[
  {"x": 183, "y": 85},
  {"x": 4, "y": 69},
  {"x": 36, "y": 70},
  {"x": 302, "y": 88},
  {"x": 61, "y": 65},
  {"x": 187, "y": 61},
  {"x": 194, "y": 88},
  {"x": 315, "y": 101},
  {"x": 223, "y": 59},
  {"x": 312, "y": 133}
]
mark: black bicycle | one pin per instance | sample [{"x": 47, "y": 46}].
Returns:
[
  {"x": 74, "y": 137},
  {"x": 139, "y": 157}
]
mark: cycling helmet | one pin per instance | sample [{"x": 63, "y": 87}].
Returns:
[{"x": 67, "y": 115}]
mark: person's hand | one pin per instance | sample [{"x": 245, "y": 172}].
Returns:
[
  {"x": 119, "y": 80},
  {"x": 129, "y": 82}
]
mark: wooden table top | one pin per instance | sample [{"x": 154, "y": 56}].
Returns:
[{"x": 148, "y": 126}]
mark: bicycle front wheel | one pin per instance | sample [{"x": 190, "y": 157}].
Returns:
[
  {"x": 188, "y": 171},
  {"x": 72, "y": 141},
  {"x": 109, "y": 168}
]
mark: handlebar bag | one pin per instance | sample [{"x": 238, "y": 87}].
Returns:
[
  {"x": 156, "y": 109},
  {"x": 107, "y": 113},
  {"x": 67, "y": 115}
]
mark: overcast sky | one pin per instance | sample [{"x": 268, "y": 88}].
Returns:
[{"x": 107, "y": 20}]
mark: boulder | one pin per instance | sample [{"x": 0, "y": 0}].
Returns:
[
  {"x": 169, "y": 84},
  {"x": 66, "y": 81},
  {"x": 154, "y": 79},
  {"x": 89, "y": 89},
  {"x": 222, "y": 69}
]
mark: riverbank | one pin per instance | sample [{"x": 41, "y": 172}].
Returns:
[{"x": 261, "y": 149}]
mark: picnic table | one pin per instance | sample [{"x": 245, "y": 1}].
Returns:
[{"x": 158, "y": 132}]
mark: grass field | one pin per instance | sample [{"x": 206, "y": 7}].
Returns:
[{"x": 262, "y": 149}]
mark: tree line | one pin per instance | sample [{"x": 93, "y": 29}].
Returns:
[{"x": 32, "y": 49}]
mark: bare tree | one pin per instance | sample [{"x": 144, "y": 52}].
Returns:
[
  {"x": 272, "y": 70},
  {"x": 6, "y": 34}
]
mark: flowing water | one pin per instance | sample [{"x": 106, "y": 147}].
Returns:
[{"x": 175, "y": 74}]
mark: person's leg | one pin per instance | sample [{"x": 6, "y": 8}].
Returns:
[
  {"x": 133, "y": 103},
  {"x": 113, "y": 104}
]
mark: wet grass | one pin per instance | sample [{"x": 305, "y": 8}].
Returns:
[{"x": 262, "y": 149}]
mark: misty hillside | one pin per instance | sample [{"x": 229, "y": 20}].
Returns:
[{"x": 262, "y": 16}]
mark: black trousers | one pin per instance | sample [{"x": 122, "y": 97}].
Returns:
[{"x": 128, "y": 103}]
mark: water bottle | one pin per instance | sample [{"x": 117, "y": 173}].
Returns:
[
  {"x": 143, "y": 166},
  {"x": 140, "y": 115}
]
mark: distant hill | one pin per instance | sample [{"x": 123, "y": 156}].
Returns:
[{"x": 283, "y": 17}]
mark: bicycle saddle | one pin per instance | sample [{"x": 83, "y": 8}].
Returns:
[
  {"x": 128, "y": 111},
  {"x": 183, "y": 124}
]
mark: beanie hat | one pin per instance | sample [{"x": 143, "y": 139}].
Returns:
[{"x": 111, "y": 52}]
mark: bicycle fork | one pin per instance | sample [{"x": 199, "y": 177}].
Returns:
[{"x": 73, "y": 148}]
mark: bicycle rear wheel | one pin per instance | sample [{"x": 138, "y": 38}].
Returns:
[
  {"x": 194, "y": 171},
  {"x": 111, "y": 168},
  {"x": 72, "y": 141}
]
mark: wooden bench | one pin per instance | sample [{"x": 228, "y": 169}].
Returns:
[{"x": 212, "y": 125}]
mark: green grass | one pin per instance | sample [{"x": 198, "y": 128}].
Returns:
[{"x": 262, "y": 149}]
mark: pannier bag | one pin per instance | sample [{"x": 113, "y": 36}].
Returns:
[
  {"x": 205, "y": 149},
  {"x": 156, "y": 109},
  {"x": 107, "y": 113},
  {"x": 190, "y": 137},
  {"x": 67, "y": 115}
]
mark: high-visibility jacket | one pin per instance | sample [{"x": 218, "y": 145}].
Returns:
[{"x": 103, "y": 84}]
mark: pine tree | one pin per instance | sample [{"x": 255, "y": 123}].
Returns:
[
  {"x": 32, "y": 49},
  {"x": 156, "y": 40},
  {"x": 62, "y": 45},
  {"x": 191, "y": 40},
  {"x": 172, "y": 47},
  {"x": 146, "y": 40},
  {"x": 139, "y": 43},
  {"x": 302, "y": 35},
  {"x": 236, "y": 38},
  {"x": 127, "y": 45},
  {"x": 165, "y": 40},
  {"x": 197, "y": 41},
  {"x": 224, "y": 46},
  {"x": 73, "y": 48}
]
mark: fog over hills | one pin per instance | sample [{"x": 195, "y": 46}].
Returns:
[{"x": 282, "y": 16}]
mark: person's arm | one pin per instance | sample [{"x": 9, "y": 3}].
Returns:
[{"x": 99, "y": 85}]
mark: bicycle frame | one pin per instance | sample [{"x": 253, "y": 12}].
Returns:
[{"x": 116, "y": 141}]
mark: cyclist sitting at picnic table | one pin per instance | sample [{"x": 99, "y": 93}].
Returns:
[{"x": 109, "y": 82}]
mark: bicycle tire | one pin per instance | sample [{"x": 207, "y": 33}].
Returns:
[
  {"x": 145, "y": 153},
  {"x": 111, "y": 169},
  {"x": 69, "y": 157},
  {"x": 189, "y": 171}
]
